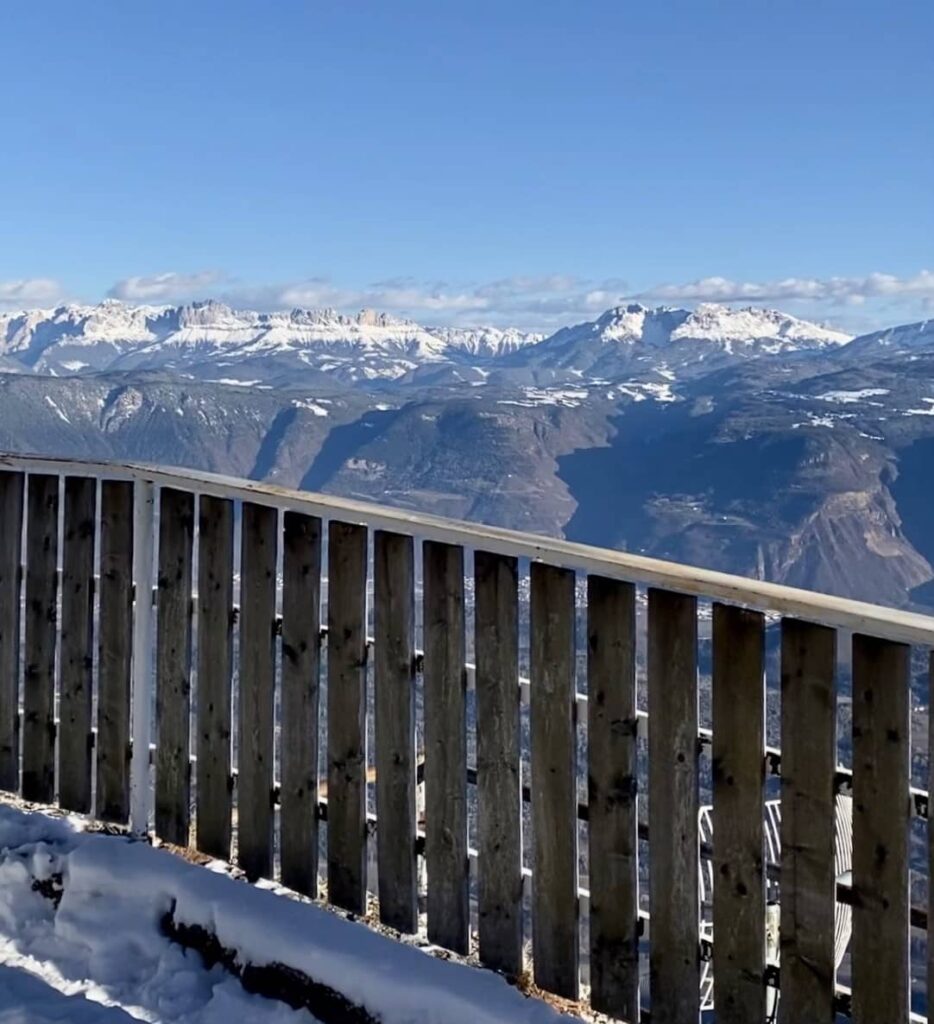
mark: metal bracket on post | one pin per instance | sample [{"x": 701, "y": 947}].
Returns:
[{"x": 143, "y": 680}]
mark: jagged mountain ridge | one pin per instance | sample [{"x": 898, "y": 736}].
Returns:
[{"x": 372, "y": 346}]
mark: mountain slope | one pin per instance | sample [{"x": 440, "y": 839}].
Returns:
[{"x": 748, "y": 442}]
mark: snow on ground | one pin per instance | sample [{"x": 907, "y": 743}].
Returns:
[
  {"x": 101, "y": 957},
  {"x": 849, "y": 397},
  {"x": 928, "y": 409}
]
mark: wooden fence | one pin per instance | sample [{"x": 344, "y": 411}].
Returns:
[{"x": 196, "y": 714}]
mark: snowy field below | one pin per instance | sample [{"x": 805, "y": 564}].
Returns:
[{"x": 83, "y": 939}]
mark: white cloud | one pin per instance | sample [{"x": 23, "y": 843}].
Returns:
[
  {"x": 834, "y": 290},
  {"x": 29, "y": 292},
  {"x": 526, "y": 300},
  {"x": 168, "y": 287}
]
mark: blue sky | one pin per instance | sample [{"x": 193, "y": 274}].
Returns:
[{"x": 508, "y": 162}]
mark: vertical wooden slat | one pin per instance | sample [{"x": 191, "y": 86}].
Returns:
[
  {"x": 738, "y": 814},
  {"x": 115, "y": 651},
  {"x": 173, "y": 665},
  {"x": 257, "y": 689},
  {"x": 809, "y": 757},
  {"x": 499, "y": 794},
  {"x": 301, "y": 655},
  {"x": 394, "y": 648},
  {"x": 612, "y": 801},
  {"x": 881, "y": 770},
  {"x": 445, "y": 746},
  {"x": 77, "y": 653},
  {"x": 215, "y": 655},
  {"x": 555, "y": 947},
  {"x": 347, "y": 848},
  {"x": 11, "y": 556},
  {"x": 930, "y": 829},
  {"x": 674, "y": 961},
  {"x": 41, "y": 628}
]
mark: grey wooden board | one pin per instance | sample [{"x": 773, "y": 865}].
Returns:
[
  {"x": 394, "y": 650},
  {"x": 499, "y": 820},
  {"x": 77, "y": 640},
  {"x": 738, "y": 692},
  {"x": 347, "y": 555},
  {"x": 555, "y": 946},
  {"x": 41, "y": 628},
  {"x": 115, "y": 645},
  {"x": 613, "y": 797},
  {"x": 301, "y": 657},
  {"x": 256, "y": 706},
  {"x": 809, "y": 757},
  {"x": 445, "y": 680},
  {"x": 215, "y": 655},
  {"x": 930, "y": 943},
  {"x": 881, "y": 769},
  {"x": 12, "y": 490},
  {"x": 173, "y": 666},
  {"x": 674, "y": 965}
]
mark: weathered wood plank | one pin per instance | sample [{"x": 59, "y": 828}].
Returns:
[
  {"x": 77, "y": 653},
  {"x": 613, "y": 801},
  {"x": 555, "y": 946},
  {"x": 738, "y": 687},
  {"x": 347, "y": 853},
  {"x": 173, "y": 665},
  {"x": 499, "y": 820},
  {"x": 445, "y": 746},
  {"x": 12, "y": 490},
  {"x": 674, "y": 964},
  {"x": 930, "y": 942},
  {"x": 256, "y": 706},
  {"x": 41, "y": 628},
  {"x": 809, "y": 757},
  {"x": 301, "y": 657},
  {"x": 881, "y": 770},
  {"x": 394, "y": 648},
  {"x": 115, "y": 645},
  {"x": 215, "y": 657}
]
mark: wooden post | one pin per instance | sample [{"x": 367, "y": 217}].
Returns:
[
  {"x": 446, "y": 746},
  {"x": 881, "y": 772},
  {"x": 11, "y": 581},
  {"x": 555, "y": 946},
  {"x": 499, "y": 793},
  {"x": 41, "y": 629},
  {"x": 738, "y": 814},
  {"x": 347, "y": 847},
  {"x": 215, "y": 656},
  {"x": 613, "y": 814},
  {"x": 674, "y": 957},
  {"x": 809, "y": 758},
  {"x": 301, "y": 656},
  {"x": 77, "y": 653},
  {"x": 141, "y": 794},
  {"x": 394, "y": 647},
  {"x": 173, "y": 666},
  {"x": 259, "y": 530},
  {"x": 115, "y": 651},
  {"x": 930, "y": 780}
]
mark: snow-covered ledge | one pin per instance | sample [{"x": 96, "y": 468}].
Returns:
[{"x": 101, "y": 930}]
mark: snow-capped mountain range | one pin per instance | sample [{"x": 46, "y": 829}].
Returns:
[
  {"x": 746, "y": 440},
  {"x": 210, "y": 336}
]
